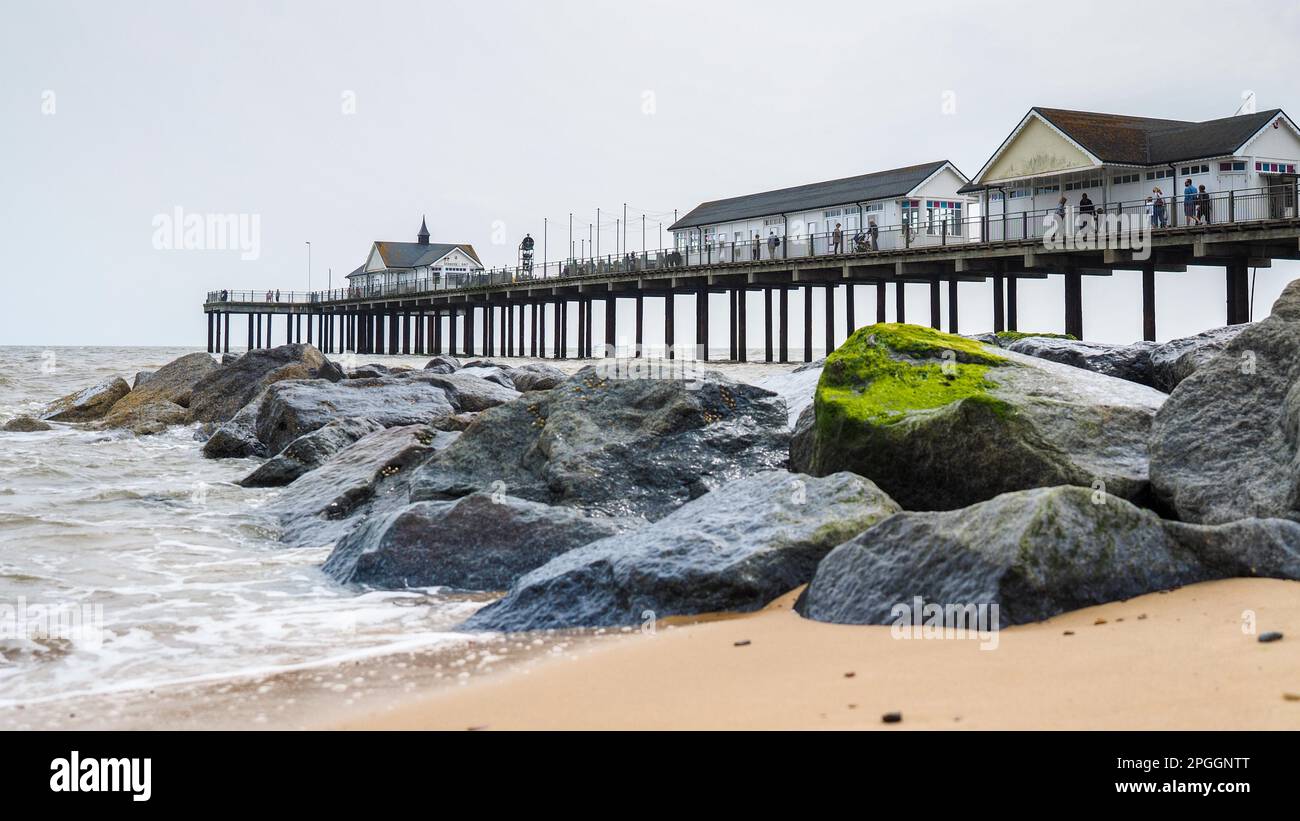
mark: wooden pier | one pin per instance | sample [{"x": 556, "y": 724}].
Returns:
[{"x": 515, "y": 312}]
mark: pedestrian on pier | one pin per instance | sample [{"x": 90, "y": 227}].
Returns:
[
  {"x": 1203, "y": 205},
  {"x": 277, "y": 294},
  {"x": 773, "y": 242},
  {"x": 1189, "y": 202},
  {"x": 758, "y": 247},
  {"x": 1087, "y": 212},
  {"x": 837, "y": 240},
  {"x": 1158, "y": 208},
  {"x": 873, "y": 231}
]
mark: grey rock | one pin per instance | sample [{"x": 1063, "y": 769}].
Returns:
[
  {"x": 466, "y": 392},
  {"x": 293, "y": 408},
  {"x": 443, "y": 364},
  {"x": 164, "y": 399},
  {"x": 371, "y": 371},
  {"x": 1224, "y": 447},
  {"x": 621, "y": 447},
  {"x": 25, "y": 424},
  {"x": 1267, "y": 548},
  {"x": 536, "y": 377},
  {"x": 1178, "y": 359},
  {"x": 802, "y": 441},
  {"x": 237, "y": 438},
  {"x": 487, "y": 363},
  {"x": 309, "y": 451},
  {"x": 220, "y": 394},
  {"x": 228, "y": 358},
  {"x": 1129, "y": 362},
  {"x": 88, "y": 404},
  {"x": 368, "y": 478},
  {"x": 1034, "y": 553},
  {"x": 480, "y": 542},
  {"x": 734, "y": 549},
  {"x": 141, "y": 377}
]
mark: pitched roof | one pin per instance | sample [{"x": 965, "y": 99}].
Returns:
[
  {"x": 360, "y": 269},
  {"x": 880, "y": 185},
  {"x": 415, "y": 254},
  {"x": 1116, "y": 138}
]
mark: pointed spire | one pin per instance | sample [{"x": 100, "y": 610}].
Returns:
[{"x": 423, "y": 236}]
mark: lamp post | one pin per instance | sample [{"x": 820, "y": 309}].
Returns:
[{"x": 308, "y": 267}]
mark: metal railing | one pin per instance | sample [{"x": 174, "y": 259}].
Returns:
[{"x": 1101, "y": 221}]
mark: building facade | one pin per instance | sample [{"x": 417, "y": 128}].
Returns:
[{"x": 397, "y": 267}]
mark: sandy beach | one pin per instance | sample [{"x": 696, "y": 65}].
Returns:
[{"x": 1177, "y": 660}]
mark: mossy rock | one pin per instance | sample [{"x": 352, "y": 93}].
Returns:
[
  {"x": 1005, "y": 338},
  {"x": 941, "y": 421}
]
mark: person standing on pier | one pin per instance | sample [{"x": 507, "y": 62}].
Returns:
[
  {"x": 758, "y": 247},
  {"x": 1203, "y": 205},
  {"x": 1189, "y": 203},
  {"x": 1158, "y": 207},
  {"x": 1086, "y": 213},
  {"x": 837, "y": 240},
  {"x": 773, "y": 242},
  {"x": 874, "y": 232}
]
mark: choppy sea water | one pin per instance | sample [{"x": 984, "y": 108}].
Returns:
[{"x": 133, "y": 562}]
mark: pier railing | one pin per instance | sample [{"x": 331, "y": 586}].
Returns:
[{"x": 1103, "y": 221}]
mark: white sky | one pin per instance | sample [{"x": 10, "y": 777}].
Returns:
[{"x": 484, "y": 114}]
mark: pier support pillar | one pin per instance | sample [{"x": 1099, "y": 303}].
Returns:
[
  {"x": 702, "y": 325},
  {"x": 830, "y": 319},
  {"x": 558, "y": 353},
  {"x": 250, "y": 331},
  {"x": 881, "y": 301},
  {"x": 640, "y": 325},
  {"x": 849, "y": 324},
  {"x": 1238, "y": 293},
  {"x": 533, "y": 332},
  {"x": 210, "y": 324},
  {"x": 742, "y": 326},
  {"x": 999, "y": 306},
  {"x": 259, "y": 329},
  {"x": 510, "y": 331},
  {"x": 1074, "y": 304},
  {"x": 586, "y": 354},
  {"x": 733, "y": 322},
  {"x": 1149, "y": 302},
  {"x": 1011, "y": 304},
  {"x": 468, "y": 347},
  {"x": 669, "y": 340},
  {"x": 900, "y": 302},
  {"x": 952, "y": 306},
  {"x": 936, "y": 305},
  {"x": 406, "y": 334},
  {"x": 611, "y": 309},
  {"x": 451, "y": 331},
  {"x": 807, "y": 323},
  {"x": 767, "y": 324},
  {"x": 783, "y": 307}
]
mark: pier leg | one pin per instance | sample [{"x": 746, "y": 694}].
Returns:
[
  {"x": 250, "y": 331},
  {"x": 1149, "y": 302},
  {"x": 582, "y": 329},
  {"x": 807, "y": 323},
  {"x": 936, "y": 305},
  {"x": 881, "y": 301},
  {"x": 732, "y": 320},
  {"x": 669, "y": 342},
  {"x": 587, "y": 335},
  {"x": 742, "y": 341},
  {"x": 452, "y": 316},
  {"x": 533, "y": 331},
  {"x": 767, "y": 324},
  {"x": 559, "y": 344},
  {"x": 830, "y": 319},
  {"x": 900, "y": 302},
  {"x": 849, "y": 324},
  {"x": 394, "y": 333},
  {"x": 640, "y": 324},
  {"x": 999, "y": 307},
  {"x": 1238, "y": 293},
  {"x": 952, "y": 306},
  {"x": 783, "y": 307},
  {"x": 611, "y": 309},
  {"x": 469, "y": 331},
  {"x": 1074, "y": 304},
  {"x": 539, "y": 328},
  {"x": 1011, "y": 304},
  {"x": 259, "y": 330},
  {"x": 226, "y": 322},
  {"x": 702, "y": 325},
  {"x": 406, "y": 334},
  {"x": 510, "y": 331}
]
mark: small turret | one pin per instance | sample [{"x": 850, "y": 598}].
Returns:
[{"x": 423, "y": 236}]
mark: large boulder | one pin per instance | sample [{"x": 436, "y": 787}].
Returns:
[
  {"x": 1033, "y": 553},
  {"x": 368, "y": 478},
  {"x": 467, "y": 392},
  {"x": 1178, "y": 359},
  {"x": 535, "y": 376},
  {"x": 481, "y": 542},
  {"x": 1224, "y": 447},
  {"x": 293, "y": 408},
  {"x": 734, "y": 549},
  {"x": 88, "y": 404},
  {"x": 25, "y": 424},
  {"x": 220, "y": 394},
  {"x": 309, "y": 451},
  {"x": 163, "y": 399},
  {"x": 940, "y": 421},
  {"x": 635, "y": 447},
  {"x": 237, "y": 438},
  {"x": 1130, "y": 362},
  {"x": 443, "y": 363}
]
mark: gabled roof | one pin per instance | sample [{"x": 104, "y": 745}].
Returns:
[
  {"x": 897, "y": 182},
  {"x": 1119, "y": 139},
  {"x": 1115, "y": 138},
  {"x": 416, "y": 254},
  {"x": 360, "y": 269}
]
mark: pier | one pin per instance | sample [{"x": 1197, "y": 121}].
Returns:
[{"x": 527, "y": 311}]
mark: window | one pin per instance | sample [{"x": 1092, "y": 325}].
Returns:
[
  {"x": 1163, "y": 173},
  {"x": 1189, "y": 170},
  {"x": 1047, "y": 189},
  {"x": 873, "y": 206},
  {"x": 1231, "y": 167},
  {"x": 1125, "y": 179},
  {"x": 1086, "y": 182},
  {"x": 1275, "y": 167},
  {"x": 771, "y": 221},
  {"x": 938, "y": 212},
  {"x": 835, "y": 212},
  {"x": 1019, "y": 193}
]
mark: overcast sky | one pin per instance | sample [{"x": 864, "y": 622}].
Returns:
[{"x": 343, "y": 123}]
